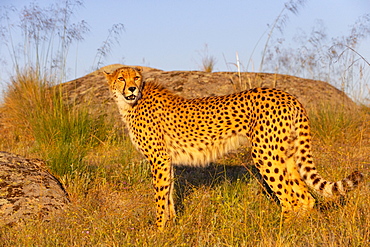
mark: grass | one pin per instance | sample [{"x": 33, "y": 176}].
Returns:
[
  {"x": 221, "y": 205},
  {"x": 208, "y": 61},
  {"x": 62, "y": 133},
  {"x": 335, "y": 123},
  {"x": 110, "y": 185}
]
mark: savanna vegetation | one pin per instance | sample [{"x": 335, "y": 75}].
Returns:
[{"x": 109, "y": 182}]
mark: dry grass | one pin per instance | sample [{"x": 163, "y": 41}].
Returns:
[{"x": 222, "y": 205}]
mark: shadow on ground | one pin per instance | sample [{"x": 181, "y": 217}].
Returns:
[{"x": 236, "y": 167}]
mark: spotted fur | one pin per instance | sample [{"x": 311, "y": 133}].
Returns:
[{"x": 170, "y": 130}]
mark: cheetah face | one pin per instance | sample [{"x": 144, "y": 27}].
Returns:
[{"x": 126, "y": 83}]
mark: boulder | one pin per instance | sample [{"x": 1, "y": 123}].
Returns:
[
  {"x": 93, "y": 89},
  {"x": 27, "y": 190}
]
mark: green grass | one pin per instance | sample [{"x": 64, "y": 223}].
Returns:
[{"x": 111, "y": 190}]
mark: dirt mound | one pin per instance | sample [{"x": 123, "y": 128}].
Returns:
[{"x": 92, "y": 88}]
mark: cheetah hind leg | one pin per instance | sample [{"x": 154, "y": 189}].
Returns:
[{"x": 281, "y": 175}]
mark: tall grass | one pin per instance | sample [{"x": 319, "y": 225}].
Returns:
[
  {"x": 317, "y": 56},
  {"x": 33, "y": 101},
  {"x": 333, "y": 123},
  {"x": 208, "y": 61},
  {"x": 279, "y": 23},
  {"x": 40, "y": 37},
  {"x": 63, "y": 134},
  {"x": 106, "y": 48}
]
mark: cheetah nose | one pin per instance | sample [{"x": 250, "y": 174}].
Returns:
[{"x": 131, "y": 89}]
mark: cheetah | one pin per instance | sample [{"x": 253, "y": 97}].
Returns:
[{"x": 170, "y": 130}]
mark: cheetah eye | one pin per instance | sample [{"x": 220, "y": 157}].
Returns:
[
  {"x": 136, "y": 78},
  {"x": 121, "y": 78}
]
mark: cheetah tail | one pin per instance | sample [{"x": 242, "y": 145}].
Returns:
[
  {"x": 337, "y": 188},
  {"x": 349, "y": 183}
]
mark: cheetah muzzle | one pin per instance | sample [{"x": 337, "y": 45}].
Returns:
[{"x": 131, "y": 97}]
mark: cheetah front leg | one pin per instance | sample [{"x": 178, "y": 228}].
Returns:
[{"x": 163, "y": 182}]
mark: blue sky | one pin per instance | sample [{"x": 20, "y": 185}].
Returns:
[{"x": 171, "y": 35}]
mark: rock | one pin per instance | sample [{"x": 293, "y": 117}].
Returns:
[{"x": 27, "y": 190}]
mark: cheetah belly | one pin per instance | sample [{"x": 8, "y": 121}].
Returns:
[{"x": 202, "y": 152}]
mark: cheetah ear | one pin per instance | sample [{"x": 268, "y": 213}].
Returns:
[
  {"x": 138, "y": 68},
  {"x": 108, "y": 76}
]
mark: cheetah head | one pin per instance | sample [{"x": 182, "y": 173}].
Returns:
[{"x": 126, "y": 83}]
